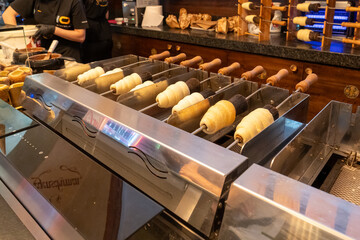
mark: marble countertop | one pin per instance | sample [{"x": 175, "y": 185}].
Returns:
[{"x": 339, "y": 54}]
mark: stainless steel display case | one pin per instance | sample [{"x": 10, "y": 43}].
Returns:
[{"x": 188, "y": 175}]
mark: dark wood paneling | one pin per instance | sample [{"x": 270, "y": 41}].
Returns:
[
  {"x": 331, "y": 84},
  {"x": 212, "y": 7}
]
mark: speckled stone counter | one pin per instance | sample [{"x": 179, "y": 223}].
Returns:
[{"x": 341, "y": 55}]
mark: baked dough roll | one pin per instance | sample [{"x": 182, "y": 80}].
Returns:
[
  {"x": 187, "y": 101},
  {"x": 304, "y": 35},
  {"x": 219, "y": 116},
  {"x": 4, "y": 92},
  {"x": 300, "y": 20},
  {"x": 5, "y": 80},
  {"x": 252, "y": 19},
  {"x": 72, "y": 73},
  {"x": 27, "y": 70},
  {"x": 192, "y": 99},
  {"x": 17, "y": 76},
  {"x": 308, "y": 7},
  {"x": 11, "y": 68},
  {"x": 126, "y": 84},
  {"x": 90, "y": 75},
  {"x": 116, "y": 70},
  {"x": 145, "y": 84},
  {"x": 172, "y": 94},
  {"x": 4, "y": 73},
  {"x": 303, "y": 7},
  {"x": 177, "y": 92},
  {"x": 253, "y": 124}
]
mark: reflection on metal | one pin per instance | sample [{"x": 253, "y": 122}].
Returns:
[
  {"x": 153, "y": 169},
  {"x": 263, "y": 204},
  {"x": 335, "y": 130},
  {"x": 12, "y": 121},
  {"x": 18, "y": 230},
  {"x": 192, "y": 183},
  {"x": 90, "y": 133},
  {"x": 165, "y": 226},
  {"x": 69, "y": 195},
  {"x": 272, "y": 139}
]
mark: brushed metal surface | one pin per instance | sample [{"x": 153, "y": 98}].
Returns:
[
  {"x": 130, "y": 143},
  {"x": 70, "y": 195},
  {"x": 330, "y": 131},
  {"x": 15, "y": 221},
  {"x": 263, "y": 204}
]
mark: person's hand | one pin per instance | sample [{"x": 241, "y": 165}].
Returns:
[{"x": 45, "y": 31}]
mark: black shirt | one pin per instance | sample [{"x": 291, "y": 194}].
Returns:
[
  {"x": 66, "y": 14},
  {"x": 99, "y": 27}
]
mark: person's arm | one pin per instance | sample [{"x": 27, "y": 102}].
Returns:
[
  {"x": 9, "y": 16},
  {"x": 76, "y": 35},
  {"x": 46, "y": 31}
]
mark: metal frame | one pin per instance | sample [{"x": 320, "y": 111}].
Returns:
[
  {"x": 147, "y": 146},
  {"x": 263, "y": 204}
]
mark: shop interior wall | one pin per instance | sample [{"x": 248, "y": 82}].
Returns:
[
  {"x": 213, "y": 7},
  {"x": 221, "y": 8}
]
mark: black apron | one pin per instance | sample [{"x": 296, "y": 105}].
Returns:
[{"x": 98, "y": 42}]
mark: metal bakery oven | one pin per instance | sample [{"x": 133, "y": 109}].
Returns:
[
  {"x": 186, "y": 177},
  {"x": 310, "y": 190}
]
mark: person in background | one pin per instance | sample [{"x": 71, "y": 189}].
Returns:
[
  {"x": 98, "y": 43},
  {"x": 63, "y": 20}
]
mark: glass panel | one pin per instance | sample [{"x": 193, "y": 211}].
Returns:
[
  {"x": 12, "y": 121},
  {"x": 94, "y": 201}
]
